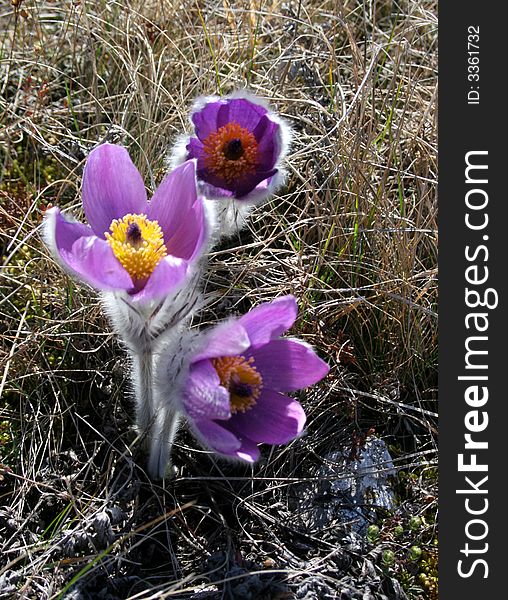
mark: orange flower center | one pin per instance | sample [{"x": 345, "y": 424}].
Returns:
[
  {"x": 241, "y": 378},
  {"x": 231, "y": 152}
]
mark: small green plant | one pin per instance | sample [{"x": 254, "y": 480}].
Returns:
[
  {"x": 373, "y": 533},
  {"x": 388, "y": 558},
  {"x": 5, "y": 433},
  {"x": 398, "y": 531},
  {"x": 414, "y": 554}
]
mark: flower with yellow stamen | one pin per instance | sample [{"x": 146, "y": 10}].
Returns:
[
  {"x": 142, "y": 248},
  {"x": 234, "y": 395},
  {"x": 138, "y": 243},
  {"x": 241, "y": 378}
]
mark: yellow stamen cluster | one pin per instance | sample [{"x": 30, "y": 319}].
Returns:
[
  {"x": 241, "y": 378},
  {"x": 217, "y": 150},
  {"x": 138, "y": 244}
]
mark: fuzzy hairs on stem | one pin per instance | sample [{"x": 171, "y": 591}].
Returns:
[
  {"x": 172, "y": 366},
  {"x": 144, "y": 330}
]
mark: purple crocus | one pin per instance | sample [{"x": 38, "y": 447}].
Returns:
[
  {"x": 233, "y": 396},
  {"x": 239, "y": 144},
  {"x": 143, "y": 248}
]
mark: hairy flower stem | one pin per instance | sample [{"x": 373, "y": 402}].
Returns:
[
  {"x": 165, "y": 429},
  {"x": 156, "y": 339},
  {"x": 170, "y": 369},
  {"x": 231, "y": 218},
  {"x": 142, "y": 380}
]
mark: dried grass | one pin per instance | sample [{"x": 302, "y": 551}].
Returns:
[{"x": 353, "y": 235}]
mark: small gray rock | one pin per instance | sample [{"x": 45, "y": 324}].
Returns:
[{"x": 347, "y": 488}]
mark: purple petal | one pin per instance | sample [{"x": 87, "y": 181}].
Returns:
[
  {"x": 175, "y": 196},
  {"x": 167, "y": 275},
  {"x": 112, "y": 187},
  {"x": 275, "y": 419},
  {"x": 226, "y": 339},
  {"x": 288, "y": 365},
  {"x": 217, "y": 182},
  {"x": 259, "y": 193},
  {"x": 239, "y": 110},
  {"x": 239, "y": 188},
  {"x": 262, "y": 190},
  {"x": 189, "y": 237},
  {"x": 248, "y": 451},
  {"x": 204, "y": 397},
  {"x": 217, "y": 438},
  {"x": 269, "y": 143},
  {"x": 84, "y": 254},
  {"x": 246, "y": 185},
  {"x": 213, "y": 192},
  {"x": 61, "y": 233},
  {"x": 270, "y": 319},
  {"x": 221, "y": 439},
  {"x": 205, "y": 119},
  {"x": 195, "y": 149},
  {"x": 263, "y": 128},
  {"x": 94, "y": 260},
  {"x": 179, "y": 211}
]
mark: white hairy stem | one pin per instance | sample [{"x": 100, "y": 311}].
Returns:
[
  {"x": 154, "y": 336},
  {"x": 163, "y": 436},
  {"x": 171, "y": 371},
  {"x": 142, "y": 382},
  {"x": 231, "y": 218}
]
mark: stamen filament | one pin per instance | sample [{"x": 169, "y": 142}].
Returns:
[
  {"x": 138, "y": 244},
  {"x": 231, "y": 152},
  {"x": 241, "y": 378}
]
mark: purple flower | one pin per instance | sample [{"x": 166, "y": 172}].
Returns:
[
  {"x": 233, "y": 394},
  {"x": 144, "y": 248},
  {"x": 239, "y": 145}
]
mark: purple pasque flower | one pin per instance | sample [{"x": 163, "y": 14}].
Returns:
[
  {"x": 239, "y": 144},
  {"x": 143, "y": 248},
  {"x": 234, "y": 394}
]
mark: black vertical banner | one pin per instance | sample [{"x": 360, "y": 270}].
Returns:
[{"x": 473, "y": 270}]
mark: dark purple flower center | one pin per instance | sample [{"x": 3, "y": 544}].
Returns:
[
  {"x": 233, "y": 150},
  {"x": 133, "y": 234},
  {"x": 240, "y": 388}
]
